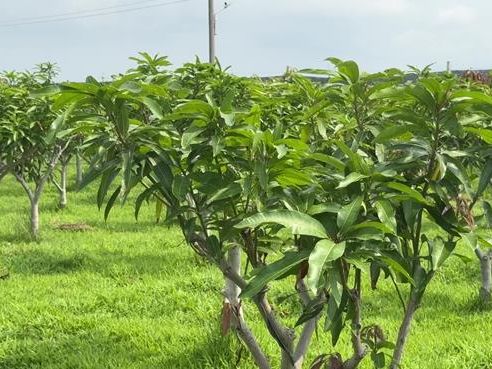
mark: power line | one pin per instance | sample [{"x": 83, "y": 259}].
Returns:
[
  {"x": 79, "y": 12},
  {"x": 98, "y": 14}
]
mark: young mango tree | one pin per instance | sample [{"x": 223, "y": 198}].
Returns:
[
  {"x": 325, "y": 184},
  {"x": 210, "y": 165},
  {"x": 73, "y": 142},
  {"x": 29, "y": 136},
  {"x": 408, "y": 170}
]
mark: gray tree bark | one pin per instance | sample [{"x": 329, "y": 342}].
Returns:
[
  {"x": 35, "y": 217},
  {"x": 63, "y": 185},
  {"x": 79, "y": 170},
  {"x": 233, "y": 302},
  {"x": 404, "y": 330},
  {"x": 485, "y": 270},
  {"x": 232, "y": 290}
]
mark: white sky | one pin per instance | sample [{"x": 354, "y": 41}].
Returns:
[{"x": 254, "y": 36}]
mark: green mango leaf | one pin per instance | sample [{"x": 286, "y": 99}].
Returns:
[
  {"x": 228, "y": 192},
  {"x": 193, "y": 109},
  {"x": 349, "y": 69},
  {"x": 330, "y": 160},
  {"x": 483, "y": 133},
  {"x": 386, "y": 213},
  {"x": 440, "y": 251},
  {"x": 274, "y": 271},
  {"x": 299, "y": 223},
  {"x": 190, "y": 135},
  {"x": 351, "y": 178},
  {"x": 470, "y": 239},
  {"x": 348, "y": 215},
  {"x": 324, "y": 208},
  {"x": 181, "y": 186},
  {"x": 357, "y": 161},
  {"x": 107, "y": 179},
  {"x": 472, "y": 96},
  {"x": 397, "y": 264},
  {"x": 414, "y": 194},
  {"x": 324, "y": 251},
  {"x": 311, "y": 310},
  {"x": 485, "y": 178},
  {"x": 111, "y": 202},
  {"x": 422, "y": 94},
  {"x": 392, "y": 132},
  {"x": 121, "y": 116},
  {"x": 46, "y": 91},
  {"x": 487, "y": 211},
  {"x": 375, "y": 225},
  {"x": 153, "y": 106}
]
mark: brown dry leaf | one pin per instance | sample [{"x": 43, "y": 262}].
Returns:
[{"x": 226, "y": 318}]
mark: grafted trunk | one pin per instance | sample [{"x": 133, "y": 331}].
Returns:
[
  {"x": 284, "y": 336},
  {"x": 357, "y": 345},
  {"x": 485, "y": 270},
  {"x": 63, "y": 185},
  {"x": 35, "y": 217},
  {"x": 250, "y": 341},
  {"x": 404, "y": 330},
  {"x": 79, "y": 170},
  {"x": 287, "y": 355},
  {"x": 232, "y": 290},
  {"x": 304, "y": 342},
  {"x": 232, "y": 304}
]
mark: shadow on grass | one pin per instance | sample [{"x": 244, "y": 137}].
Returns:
[
  {"x": 94, "y": 348},
  {"x": 112, "y": 264}
]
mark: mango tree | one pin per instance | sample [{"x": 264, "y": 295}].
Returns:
[
  {"x": 28, "y": 135},
  {"x": 322, "y": 183},
  {"x": 407, "y": 167}
]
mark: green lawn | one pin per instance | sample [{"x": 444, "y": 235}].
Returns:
[{"x": 132, "y": 295}]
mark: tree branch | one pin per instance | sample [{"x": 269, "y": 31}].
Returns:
[
  {"x": 304, "y": 341},
  {"x": 57, "y": 153},
  {"x": 308, "y": 329},
  {"x": 359, "y": 349},
  {"x": 302, "y": 291},
  {"x": 57, "y": 185},
  {"x": 278, "y": 331},
  {"x": 480, "y": 254},
  {"x": 24, "y": 185},
  {"x": 245, "y": 334}
]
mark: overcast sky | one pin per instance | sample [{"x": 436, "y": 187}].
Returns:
[{"x": 254, "y": 36}]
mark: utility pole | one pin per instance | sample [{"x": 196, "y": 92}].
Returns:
[{"x": 211, "y": 31}]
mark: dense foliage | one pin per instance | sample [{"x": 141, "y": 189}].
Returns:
[
  {"x": 29, "y": 133},
  {"x": 323, "y": 183}
]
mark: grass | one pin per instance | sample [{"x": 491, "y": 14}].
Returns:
[{"x": 132, "y": 295}]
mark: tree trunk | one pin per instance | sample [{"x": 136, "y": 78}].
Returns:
[
  {"x": 35, "y": 217},
  {"x": 283, "y": 336},
  {"x": 304, "y": 341},
  {"x": 233, "y": 304},
  {"x": 63, "y": 186},
  {"x": 404, "y": 331},
  {"x": 357, "y": 345},
  {"x": 287, "y": 356},
  {"x": 485, "y": 269},
  {"x": 251, "y": 343},
  {"x": 79, "y": 172},
  {"x": 232, "y": 290}
]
